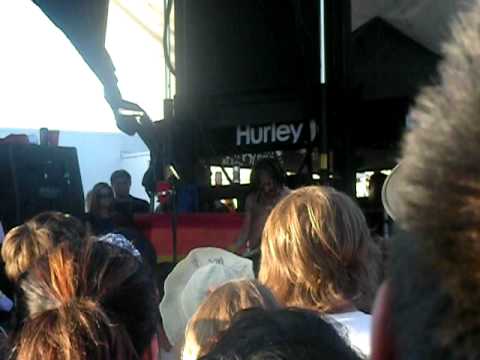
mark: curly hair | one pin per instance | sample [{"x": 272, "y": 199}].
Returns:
[
  {"x": 439, "y": 203},
  {"x": 270, "y": 166}
]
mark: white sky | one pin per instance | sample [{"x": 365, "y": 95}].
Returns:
[
  {"x": 43, "y": 79},
  {"x": 137, "y": 52},
  {"x": 44, "y": 82}
]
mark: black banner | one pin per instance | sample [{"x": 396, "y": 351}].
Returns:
[{"x": 265, "y": 137}]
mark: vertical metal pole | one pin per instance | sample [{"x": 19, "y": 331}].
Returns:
[
  {"x": 321, "y": 22},
  {"x": 335, "y": 35},
  {"x": 174, "y": 225},
  {"x": 323, "y": 146},
  {"x": 165, "y": 68}
]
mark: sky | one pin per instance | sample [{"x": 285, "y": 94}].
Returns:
[
  {"x": 44, "y": 82},
  {"x": 134, "y": 42}
]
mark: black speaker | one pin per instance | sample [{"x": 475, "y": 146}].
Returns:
[
  {"x": 242, "y": 62},
  {"x": 246, "y": 46},
  {"x": 36, "y": 178}
]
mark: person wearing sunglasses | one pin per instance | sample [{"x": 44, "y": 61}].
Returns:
[{"x": 99, "y": 218}]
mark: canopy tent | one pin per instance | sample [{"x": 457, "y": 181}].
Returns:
[
  {"x": 396, "y": 44},
  {"x": 424, "y": 21}
]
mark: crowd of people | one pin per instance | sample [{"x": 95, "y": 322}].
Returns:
[
  {"x": 88, "y": 289},
  {"x": 111, "y": 206}
]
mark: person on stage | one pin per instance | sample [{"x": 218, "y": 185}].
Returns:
[{"x": 268, "y": 188}]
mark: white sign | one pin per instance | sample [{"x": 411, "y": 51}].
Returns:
[{"x": 268, "y": 134}]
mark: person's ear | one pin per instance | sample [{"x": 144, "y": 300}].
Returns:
[{"x": 382, "y": 333}]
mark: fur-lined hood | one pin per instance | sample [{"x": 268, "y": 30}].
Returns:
[{"x": 440, "y": 191}]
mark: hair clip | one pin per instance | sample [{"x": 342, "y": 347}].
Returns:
[{"x": 122, "y": 242}]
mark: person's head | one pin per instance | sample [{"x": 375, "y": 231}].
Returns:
[
  {"x": 217, "y": 311},
  {"x": 101, "y": 198},
  {"x": 429, "y": 309},
  {"x": 93, "y": 302},
  {"x": 191, "y": 281},
  {"x": 24, "y": 244},
  {"x": 267, "y": 176},
  {"x": 63, "y": 227},
  {"x": 259, "y": 334},
  {"x": 121, "y": 182},
  {"x": 315, "y": 250}
]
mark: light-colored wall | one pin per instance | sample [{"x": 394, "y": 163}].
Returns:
[
  {"x": 136, "y": 164},
  {"x": 100, "y": 154},
  {"x": 45, "y": 82}
]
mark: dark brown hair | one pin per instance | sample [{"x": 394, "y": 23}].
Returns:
[
  {"x": 259, "y": 334},
  {"x": 62, "y": 227},
  {"x": 94, "y": 302},
  {"x": 94, "y": 201},
  {"x": 120, "y": 174},
  {"x": 270, "y": 166}
]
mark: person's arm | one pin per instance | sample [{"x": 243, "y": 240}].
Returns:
[{"x": 246, "y": 227}]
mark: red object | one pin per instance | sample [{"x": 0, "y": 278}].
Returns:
[
  {"x": 193, "y": 231},
  {"x": 52, "y": 137},
  {"x": 164, "y": 190},
  {"x": 15, "y": 139},
  {"x": 151, "y": 353}
]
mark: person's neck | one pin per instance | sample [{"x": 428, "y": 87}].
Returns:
[
  {"x": 266, "y": 198},
  {"x": 122, "y": 198},
  {"x": 342, "y": 306}
]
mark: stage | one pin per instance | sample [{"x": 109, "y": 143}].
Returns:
[{"x": 193, "y": 231}]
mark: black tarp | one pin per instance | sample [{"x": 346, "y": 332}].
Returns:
[{"x": 84, "y": 23}]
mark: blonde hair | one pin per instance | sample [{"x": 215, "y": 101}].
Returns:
[
  {"x": 22, "y": 246},
  {"x": 26, "y": 243},
  {"x": 315, "y": 250},
  {"x": 216, "y": 312}
]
